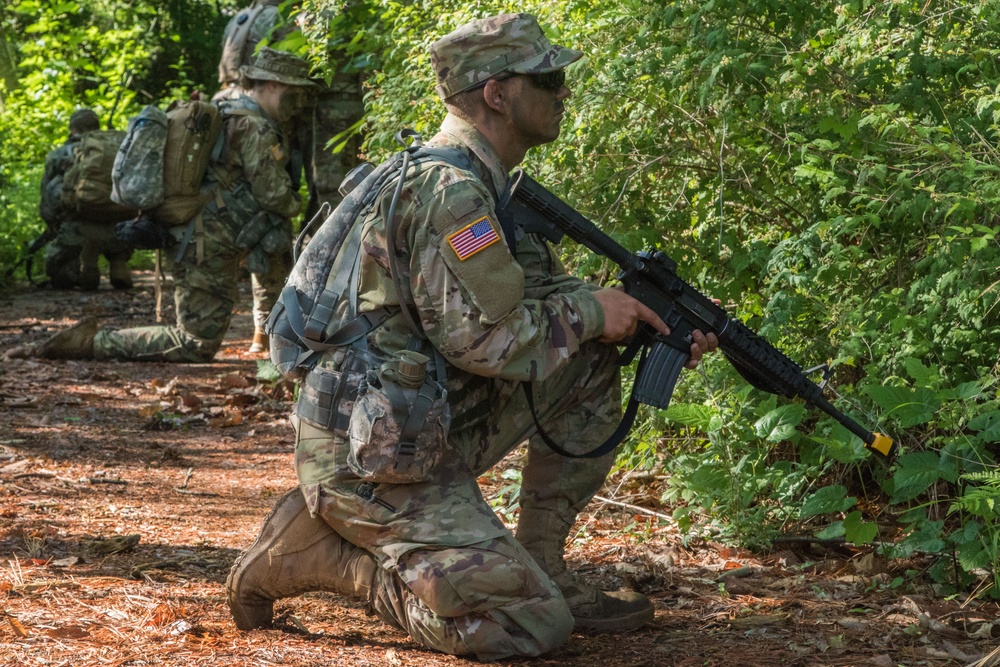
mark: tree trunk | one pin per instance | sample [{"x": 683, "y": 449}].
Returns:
[{"x": 8, "y": 67}]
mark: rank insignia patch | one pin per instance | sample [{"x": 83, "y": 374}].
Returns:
[{"x": 469, "y": 240}]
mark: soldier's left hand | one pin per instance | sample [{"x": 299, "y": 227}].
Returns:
[{"x": 701, "y": 346}]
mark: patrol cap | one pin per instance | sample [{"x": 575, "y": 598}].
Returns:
[
  {"x": 486, "y": 47},
  {"x": 84, "y": 120},
  {"x": 281, "y": 66}
]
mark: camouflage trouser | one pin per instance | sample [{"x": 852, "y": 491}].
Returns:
[
  {"x": 71, "y": 257},
  {"x": 100, "y": 239},
  {"x": 62, "y": 255},
  {"x": 266, "y": 287},
  {"x": 337, "y": 108},
  {"x": 204, "y": 297},
  {"x": 468, "y": 587}
]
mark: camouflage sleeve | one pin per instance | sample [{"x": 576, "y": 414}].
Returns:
[
  {"x": 471, "y": 292},
  {"x": 263, "y": 156}
]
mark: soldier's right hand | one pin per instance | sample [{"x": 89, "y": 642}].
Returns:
[{"x": 622, "y": 314}]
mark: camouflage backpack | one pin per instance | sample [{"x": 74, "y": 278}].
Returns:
[
  {"x": 235, "y": 44},
  {"x": 86, "y": 187},
  {"x": 137, "y": 176},
  {"x": 314, "y": 312},
  {"x": 162, "y": 163},
  {"x": 194, "y": 140}
]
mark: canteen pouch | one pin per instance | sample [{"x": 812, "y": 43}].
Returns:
[{"x": 398, "y": 434}]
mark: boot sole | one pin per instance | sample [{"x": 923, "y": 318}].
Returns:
[
  {"x": 627, "y": 623},
  {"x": 248, "y": 613}
]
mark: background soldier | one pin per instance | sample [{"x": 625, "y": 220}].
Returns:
[
  {"x": 335, "y": 108},
  {"x": 71, "y": 257},
  {"x": 248, "y": 218}
]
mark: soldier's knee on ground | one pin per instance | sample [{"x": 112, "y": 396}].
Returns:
[
  {"x": 528, "y": 616},
  {"x": 90, "y": 277},
  {"x": 464, "y": 580}
]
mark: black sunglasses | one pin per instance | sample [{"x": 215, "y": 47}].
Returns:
[{"x": 549, "y": 81}]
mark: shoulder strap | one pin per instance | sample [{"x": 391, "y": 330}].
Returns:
[{"x": 452, "y": 156}]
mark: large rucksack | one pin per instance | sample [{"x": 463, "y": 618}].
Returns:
[
  {"x": 161, "y": 166},
  {"x": 194, "y": 140},
  {"x": 315, "y": 312},
  {"x": 235, "y": 48},
  {"x": 87, "y": 183}
]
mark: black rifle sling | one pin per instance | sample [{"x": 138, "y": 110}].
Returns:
[
  {"x": 514, "y": 230},
  {"x": 624, "y": 426}
]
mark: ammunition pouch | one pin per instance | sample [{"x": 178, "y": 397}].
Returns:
[{"x": 326, "y": 397}]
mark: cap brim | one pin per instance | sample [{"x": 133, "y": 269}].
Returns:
[
  {"x": 251, "y": 72},
  {"x": 555, "y": 58}
]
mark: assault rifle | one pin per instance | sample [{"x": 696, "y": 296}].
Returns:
[{"x": 651, "y": 277}]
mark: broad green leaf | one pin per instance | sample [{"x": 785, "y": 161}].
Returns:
[
  {"x": 915, "y": 474},
  {"x": 910, "y": 406},
  {"x": 925, "y": 376},
  {"x": 780, "y": 424},
  {"x": 827, "y": 500},
  {"x": 689, "y": 414},
  {"x": 988, "y": 424},
  {"x": 857, "y": 530},
  {"x": 926, "y": 538},
  {"x": 834, "y": 530}
]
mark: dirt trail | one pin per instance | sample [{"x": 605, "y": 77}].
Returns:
[{"x": 127, "y": 489}]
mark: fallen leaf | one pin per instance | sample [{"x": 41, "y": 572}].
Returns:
[
  {"x": 66, "y": 562},
  {"x": 190, "y": 400},
  {"x": 68, "y": 632},
  {"x": 37, "y": 586},
  {"x": 15, "y": 624},
  {"x": 233, "y": 381}
]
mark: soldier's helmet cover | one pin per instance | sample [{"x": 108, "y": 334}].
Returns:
[
  {"x": 281, "y": 66},
  {"x": 487, "y": 47}
]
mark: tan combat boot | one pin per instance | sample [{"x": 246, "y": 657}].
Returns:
[
  {"x": 77, "y": 342},
  {"x": 260, "y": 342},
  {"x": 543, "y": 534},
  {"x": 294, "y": 554},
  {"x": 119, "y": 274}
]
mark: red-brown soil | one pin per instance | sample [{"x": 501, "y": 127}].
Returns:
[{"x": 127, "y": 489}]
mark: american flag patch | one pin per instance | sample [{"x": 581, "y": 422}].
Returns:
[{"x": 469, "y": 240}]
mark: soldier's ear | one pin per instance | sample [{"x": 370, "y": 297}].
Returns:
[{"x": 497, "y": 96}]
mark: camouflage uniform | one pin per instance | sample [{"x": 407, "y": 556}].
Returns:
[
  {"x": 253, "y": 165},
  {"x": 336, "y": 107},
  {"x": 71, "y": 256},
  {"x": 453, "y": 576}
]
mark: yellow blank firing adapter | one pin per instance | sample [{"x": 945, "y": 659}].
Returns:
[{"x": 883, "y": 445}]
